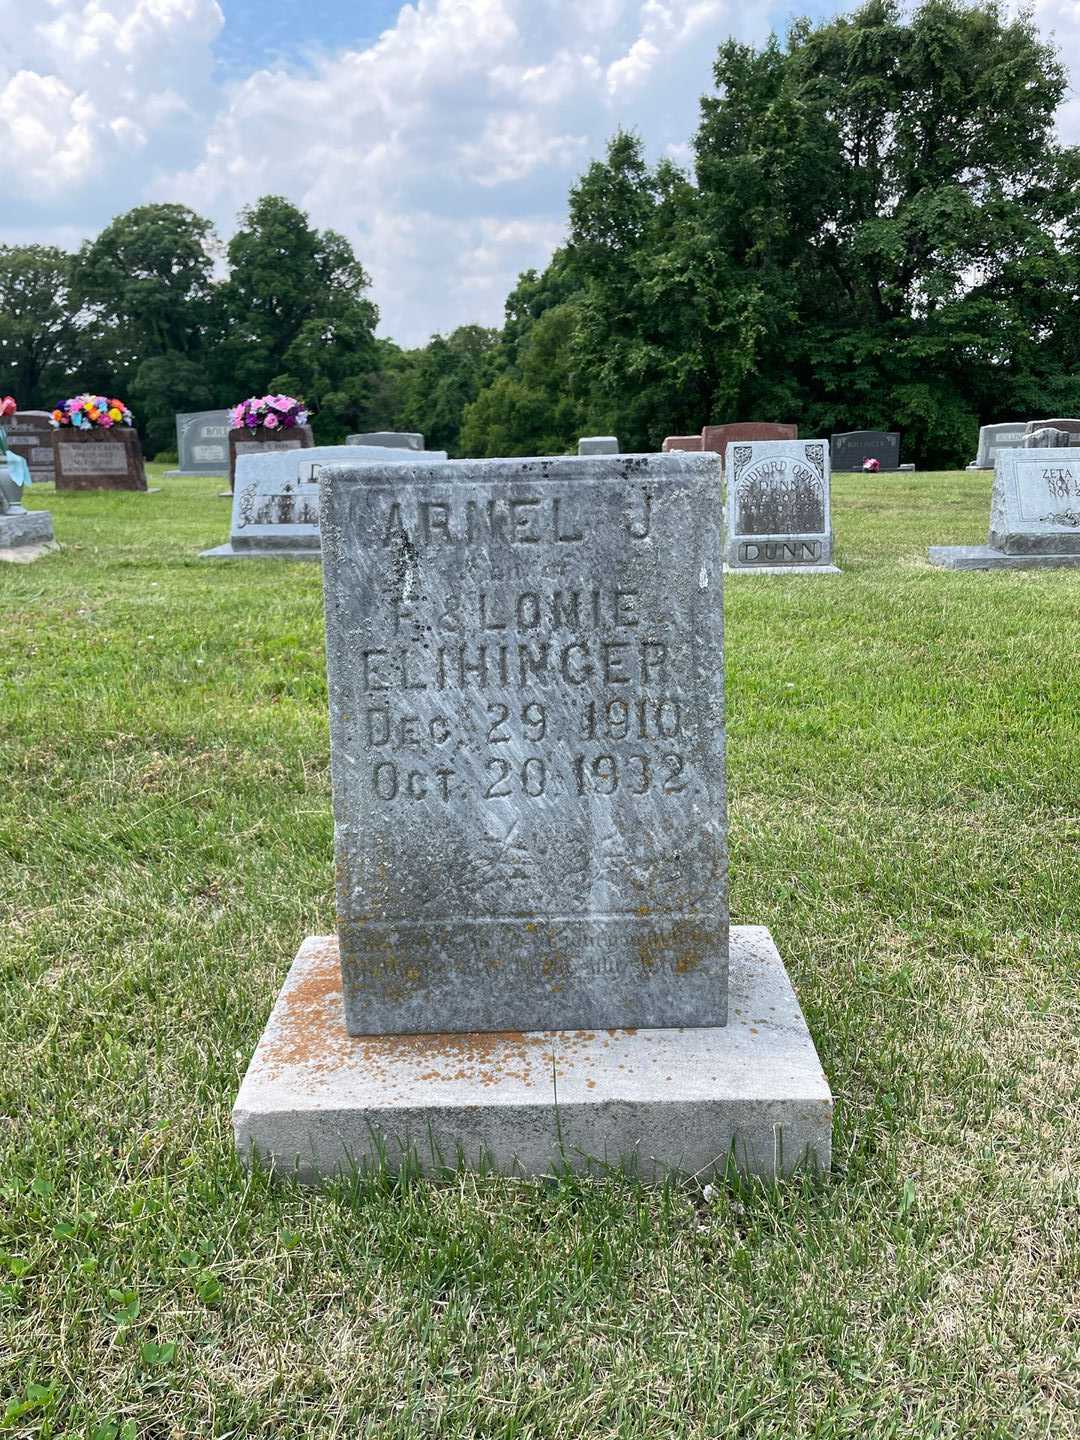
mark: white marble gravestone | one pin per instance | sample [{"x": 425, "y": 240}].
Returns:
[
  {"x": 1034, "y": 515},
  {"x": 778, "y": 508},
  {"x": 534, "y": 964},
  {"x": 390, "y": 439},
  {"x": 275, "y": 512}
]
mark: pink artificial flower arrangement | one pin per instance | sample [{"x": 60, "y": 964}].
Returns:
[
  {"x": 7, "y": 406},
  {"x": 872, "y": 466},
  {"x": 273, "y": 412}
]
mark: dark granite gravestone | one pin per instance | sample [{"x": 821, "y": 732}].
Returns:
[
  {"x": 851, "y": 450},
  {"x": 778, "y": 507},
  {"x": 527, "y": 733},
  {"x": 1048, "y": 439},
  {"x": 690, "y": 443},
  {"x": 202, "y": 442},
  {"x": 718, "y": 437},
  {"x": 98, "y": 459},
  {"x": 1034, "y": 515},
  {"x": 1072, "y": 426},
  {"x": 30, "y": 434},
  {"x": 253, "y": 442}
]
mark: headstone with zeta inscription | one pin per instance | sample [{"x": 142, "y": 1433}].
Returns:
[
  {"x": 1034, "y": 514},
  {"x": 533, "y": 960}
]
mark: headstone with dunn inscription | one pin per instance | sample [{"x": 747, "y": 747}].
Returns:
[
  {"x": 533, "y": 962},
  {"x": 1034, "y": 515},
  {"x": 778, "y": 508}
]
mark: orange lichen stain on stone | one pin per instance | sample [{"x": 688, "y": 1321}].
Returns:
[
  {"x": 590, "y": 1084},
  {"x": 682, "y": 948},
  {"x": 753, "y": 1031}
]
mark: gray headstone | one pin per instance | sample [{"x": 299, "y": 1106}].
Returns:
[
  {"x": 202, "y": 442},
  {"x": 598, "y": 445},
  {"x": 276, "y": 499},
  {"x": 1008, "y": 435},
  {"x": 1035, "y": 508},
  {"x": 778, "y": 503},
  {"x": 526, "y": 665},
  {"x": 851, "y": 450},
  {"x": 389, "y": 439},
  {"x": 1050, "y": 439}
]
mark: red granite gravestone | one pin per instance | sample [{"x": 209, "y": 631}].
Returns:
[
  {"x": 717, "y": 437},
  {"x": 98, "y": 459},
  {"x": 29, "y": 434},
  {"x": 681, "y": 442},
  {"x": 243, "y": 441}
]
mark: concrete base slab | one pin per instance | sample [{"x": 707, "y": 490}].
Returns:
[
  {"x": 316, "y": 1101},
  {"x": 25, "y": 535},
  {"x": 781, "y": 570},
  {"x": 985, "y": 557},
  {"x": 226, "y": 552}
]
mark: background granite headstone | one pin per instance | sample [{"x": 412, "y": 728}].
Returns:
[
  {"x": 276, "y": 501},
  {"x": 852, "y": 449},
  {"x": 691, "y": 443},
  {"x": 1009, "y": 435},
  {"x": 1072, "y": 426},
  {"x": 598, "y": 445},
  {"x": 1050, "y": 439},
  {"x": 98, "y": 459},
  {"x": 526, "y": 712},
  {"x": 717, "y": 438},
  {"x": 202, "y": 442},
  {"x": 243, "y": 441},
  {"x": 29, "y": 434},
  {"x": 778, "y": 504},
  {"x": 389, "y": 439}
]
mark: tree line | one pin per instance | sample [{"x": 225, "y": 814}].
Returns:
[{"x": 881, "y": 230}]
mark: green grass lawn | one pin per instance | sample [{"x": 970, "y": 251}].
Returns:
[{"x": 904, "y": 748}]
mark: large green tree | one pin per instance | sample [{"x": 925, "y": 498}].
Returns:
[
  {"x": 39, "y": 337},
  {"x": 444, "y": 377},
  {"x": 892, "y": 183},
  {"x": 296, "y": 315}
]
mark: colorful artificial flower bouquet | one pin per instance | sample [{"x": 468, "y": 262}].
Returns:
[
  {"x": 88, "y": 412},
  {"x": 272, "y": 412},
  {"x": 871, "y": 466}
]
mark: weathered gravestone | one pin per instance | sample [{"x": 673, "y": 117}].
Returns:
[
  {"x": 718, "y": 437},
  {"x": 532, "y": 964},
  {"x": 275, "y": 511},
  {"x": 25, "y": 535},
  {"x": 778, "y": 508},
  {"x": 29, "y": 434},
  {"x": 1009, "y": 435},
  {"x": 1072, "y": 426},
  {"x": 598, "y": 445},
  {"x": 389, "y": 439},
  {"x": 261, "y": 441},
  {"x": 691, "y": 443},
  {"x": 1034, "y": 515},
  {"x": 202, "y": 443},
  {"x": 851, "y": 450},
  {"x": 93, "y": 459}
]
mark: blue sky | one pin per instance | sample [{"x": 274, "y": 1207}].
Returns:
[{"x": 441, "y": 137}]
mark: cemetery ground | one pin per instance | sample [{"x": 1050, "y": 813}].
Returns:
[{"x": 904, "y": 790}]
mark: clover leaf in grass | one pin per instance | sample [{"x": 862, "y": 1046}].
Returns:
[
  {"x": 157, "y": 1353},
  {"x": 209, "y": 1289}
]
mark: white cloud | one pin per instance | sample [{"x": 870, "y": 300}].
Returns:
[{"x": 444, "y": 150}]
